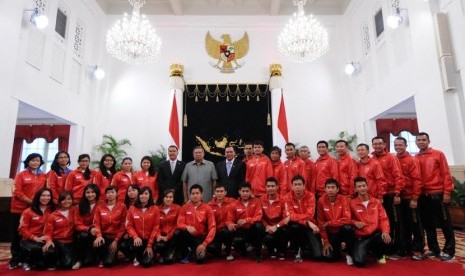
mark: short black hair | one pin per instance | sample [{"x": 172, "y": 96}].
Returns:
[
  {"x": 342, "y": 141},
  {"x": 173, "y": 146},
  {"x": 258, "y": 143},
  {"x": 378, "y": 137},
  {"x": 220, "y": 185},
  {"x": 111, "y": 187},
  {"x": 402, "y": 139},
  {"x": 423, "y": 134},
  {"x": 196, "y": 186},
  {"x": 289, "y": 144},
  {"x": 245, "y": 184},
  {"x": 272, "y": 179},
  {"x": 332, "y": 181},
  {"x": 277, "y": 149},
  {"x": 322, "y": 142},
  {"x": 363, "y": 145},
  {"x": 298, "y": 177},
  {"x": 360, "y": 179},
  {"x": 32, "y": 156}
]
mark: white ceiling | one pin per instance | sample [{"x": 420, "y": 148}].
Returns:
[
  {"x": 29, "y": 115},
  {"x": 226, "y": 7}
]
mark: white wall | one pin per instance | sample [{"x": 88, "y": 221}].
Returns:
[
  {"x": 34, "y": 85},
  {"x": 138, "y": 96},
  {"x": 403, "y": 64}
]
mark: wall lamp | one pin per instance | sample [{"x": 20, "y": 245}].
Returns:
[
  {"x": 351, "y": 68},
  {"x": 97, "y": 72},
  {"x": 397, "y": 18},
  {"x": 38, "y": 19}
]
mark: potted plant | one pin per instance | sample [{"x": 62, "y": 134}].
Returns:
[
  {"x": 351, "y": 140},
  {"x": 457, "y": 206},
  {"x": 110, "y": 145},
  {"x": 158, "y": 156}
]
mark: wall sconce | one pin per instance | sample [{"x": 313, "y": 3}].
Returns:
[
  {"x": 397, "y": 18},
  {"x": 97, "y": 72},
  {"x": 351, "y": 68},
  {"x": 39, "y": 20}
]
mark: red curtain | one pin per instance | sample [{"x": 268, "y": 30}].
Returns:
[
  {"x": 32, "y": 132},
  {"x": 395, "y": 126}
]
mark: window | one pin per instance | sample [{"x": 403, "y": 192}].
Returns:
[
  {"x": 39, "y": 145},
  {"x": 379, "y": 23},
  {"x": 411, "y": 145},
  {"x": 60, "y": 26}
]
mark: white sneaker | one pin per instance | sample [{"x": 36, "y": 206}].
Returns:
[
  {"x": 76, "y": 266},
  {"x": 349, "y": 260},
  {"x": 135, "y": 262},
  {"x": 26, "y": 267},
  {"x": 229, "y": 258}
]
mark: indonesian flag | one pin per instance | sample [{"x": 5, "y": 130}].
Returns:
[
  {"x": 174, "y": 122},
  {"x": 282, "y": 121}
]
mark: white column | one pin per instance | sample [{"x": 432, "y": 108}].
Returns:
[
  {"x": 177, "y": 90},
  {"x": 276, "y": 92}
]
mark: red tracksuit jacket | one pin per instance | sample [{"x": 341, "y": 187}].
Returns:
[
  {"x": 201, "y": 218},
  {"x": 32, "y": 224},
  {"x": 374, "y": 216},
  {"x": 60, "y": 228},
  {"x": 325, "y": 168},
  {"x": 143, "y": 179},
  {"x": 411, "y": 171},
  {"x": 273, "y": 213},
  {"x": 337, "y": 215},
  {"x": 110, "y": 224},
  {"x": 257, "y": 171},
  {"x": 144, "y": 225},
  {"x": 102, "y": 182},
  {"x": 293, "y": 167},
  {"x": 84, "y": 222},
  {"x": 168, "y": 221},
  {"x": 301, "y": 210},
  {"x": 278, "y": 173},
  {"x": 26, "y": 184},
  {"x": 251, "y": 213},
  {"x": 392, "y": 172},
  {"x": 347, "y": 169},
  {"x": 122, "y": 181},
  {"x": 435, "y": 173},
  {"x": 221, "y": 211},
  {"x": 56, "y": 183},
  {"x": 76, "y": 182},
  {"x": 372, "y": 171}
]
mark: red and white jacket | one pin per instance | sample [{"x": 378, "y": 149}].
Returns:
[
  {"x": 251, "y": 213},
  {"x": 337, "y": 215},
  {"x": 309, "y": 176},
  {"x": 201, "y": 218},
  {"x": 122, "y": 181},
  {"x": 56, "y": 183},
  {"x": 84, "y": 223},
  {"x": 221, "y": 211},
  {"x": 168, "y": 221},
  {"x": 102, "y": 182},
  {"x": 32, "y": 224},
  {"x": 26, "y": 184},
  {"x": 258, "y": 169},
  {"x": 143, "y": 224},
  {"x": 411, "y": 171},
  {"x": 301, "y": 210},
  {"x": 110, "y": 223},
  {"x": 59, "y": 227},
  {"x": 142, "y": 179},
  {"x": 374, "y": 216},
  {"x": 347, "y": 169},
  {"x": 76, "y": 182},
  {"x": 372, "y": 171},
  {"x": 293, "y": 167},
  {"x": 278, "y": 173},
  {"x": 273, "y": 212},
  {"x": 435, "y": 173},
  {"x": 392, "y": 172},
  {"x": 325, "y": 168}
]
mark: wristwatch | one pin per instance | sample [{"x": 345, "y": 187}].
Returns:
[{"x": 277, "y": 225}]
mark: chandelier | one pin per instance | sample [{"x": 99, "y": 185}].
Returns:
[
  {"x": 133, "y": 40},
  {"x": 303, "y": 39}
]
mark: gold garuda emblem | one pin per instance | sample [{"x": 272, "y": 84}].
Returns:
[{"x": 227, "y": 53}]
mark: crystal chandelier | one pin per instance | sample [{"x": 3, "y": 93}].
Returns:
[
  {"x": 133, "y": 40},
  {"x": 303, "y": 39}
]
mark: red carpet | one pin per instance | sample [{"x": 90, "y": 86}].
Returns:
[{"x": 268, "y": 267}]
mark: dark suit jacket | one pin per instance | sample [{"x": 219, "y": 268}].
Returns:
[
  {"x": 168, "y": 180},
  {"x": 236, "y": 176}
]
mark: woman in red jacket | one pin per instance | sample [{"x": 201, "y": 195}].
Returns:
[
  {"x": 147, "y": 176},
  {"x": 56, "y": 177},
  {"x": 26, "y": 184},
  {"x": 105, "y": 172},
  {"x": 31, "y": 229},
  {"x": 85, "y": 229},
  {"x": 123, "y": 178},
  {"x": 109, "y": 221},
  {"x": 59, "y": 232},
  {"x": 168, "y": 235},
  {"x": 132, "y": 194},
  {"x": 142, "y": 224},
  {"x": 79, "y": 178}
]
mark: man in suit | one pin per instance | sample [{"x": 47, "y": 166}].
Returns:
[
  {"x": 169, "y": 176},
  {"x": 231, "y": 172}
]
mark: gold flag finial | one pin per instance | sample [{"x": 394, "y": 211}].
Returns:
[
  {"x": 176, "y": 69},
  {"x": 276, "y": 69}
]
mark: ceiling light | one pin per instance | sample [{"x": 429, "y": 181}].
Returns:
[{"x": 39, "y": 20}]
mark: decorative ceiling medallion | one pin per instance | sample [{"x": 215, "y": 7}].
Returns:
[{"x": 227, "y": 53}]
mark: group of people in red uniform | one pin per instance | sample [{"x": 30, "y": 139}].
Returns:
[{"x": 380, "y": 205}]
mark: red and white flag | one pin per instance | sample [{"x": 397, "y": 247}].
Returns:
[
  {"x": 280, "y": 130},
  {"x": 174, "y": 122},
  {"x": 282, "y": 120}
]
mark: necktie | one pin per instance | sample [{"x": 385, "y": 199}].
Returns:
[
  {"x": 228, "y": 167},
  {"x": 173, "y": 165}
]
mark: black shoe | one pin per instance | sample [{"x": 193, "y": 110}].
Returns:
[
  {"x": 13, "y": 265},
  {"x": 258, "y": 258}
]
